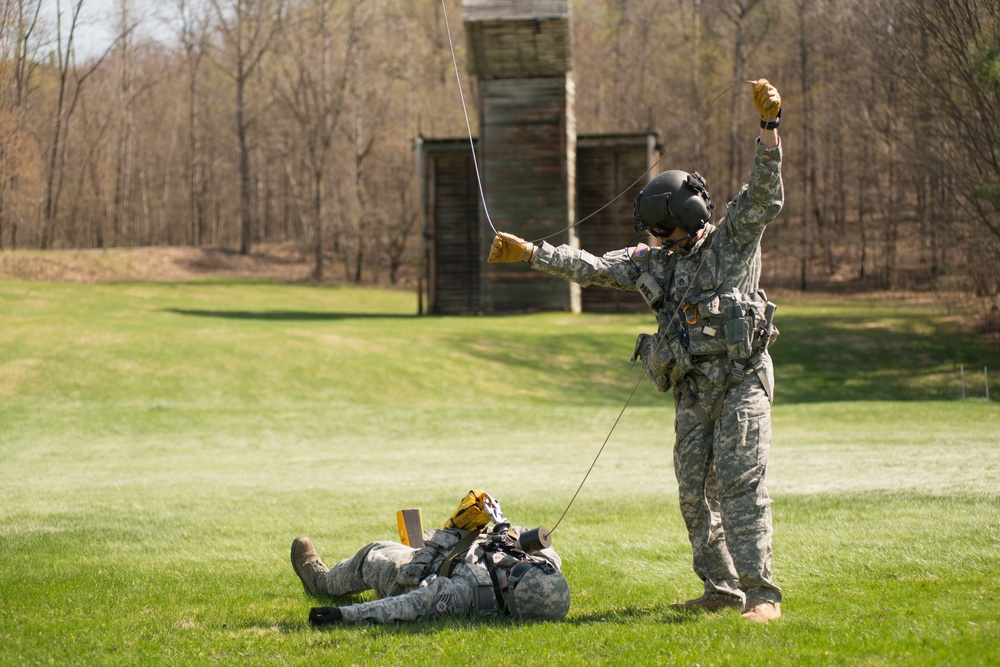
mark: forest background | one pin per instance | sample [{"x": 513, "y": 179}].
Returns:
[{"x": 292, "y": 122}]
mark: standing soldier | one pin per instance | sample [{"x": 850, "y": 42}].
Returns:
[{"x": 710, "y": 349}]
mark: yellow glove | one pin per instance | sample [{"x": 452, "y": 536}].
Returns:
[
  {"x": 471, "y": 513},
  {"x": 768, "y": 103},
  {"x": 509, "y": 248}
]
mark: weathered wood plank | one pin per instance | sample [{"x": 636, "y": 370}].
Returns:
[
  {"x": 611, "y": 169},
  {"x": 496, "y": 10}
]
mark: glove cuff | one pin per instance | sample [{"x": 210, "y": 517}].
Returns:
[
  {"x": 771, "y": 124},
  {"x": 529, "y": 252}
]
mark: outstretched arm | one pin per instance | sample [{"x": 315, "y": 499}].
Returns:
[
  {"x": 761, "y": 199},
  {"x": 614, "y": 269}
]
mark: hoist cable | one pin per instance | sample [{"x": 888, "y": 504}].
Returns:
[
  {"x": 682, "y": 300},
  {"x": 468, "y": 124},
  {"x": 653, "y": 166},
  {"x": 670, "y": 323}
]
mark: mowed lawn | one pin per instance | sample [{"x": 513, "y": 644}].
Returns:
[{"x": 161, "y": 445}]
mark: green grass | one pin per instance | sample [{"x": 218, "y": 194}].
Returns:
[{"x": 161, "y": 446}]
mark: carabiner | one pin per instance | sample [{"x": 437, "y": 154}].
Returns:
[{"x": 685, "y": 311}]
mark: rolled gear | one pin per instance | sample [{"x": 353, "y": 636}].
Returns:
[{"x": 475, "y": 511}]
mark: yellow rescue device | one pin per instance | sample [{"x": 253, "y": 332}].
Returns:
[
  {"x": 472, "y": 512},
  {"x": 411, "y": 528}
]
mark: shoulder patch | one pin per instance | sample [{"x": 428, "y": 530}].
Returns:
[
  {"x": 641, "y": 250},
  {"x": 442, "y": 606}
]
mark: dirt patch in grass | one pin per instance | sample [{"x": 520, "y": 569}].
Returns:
[{"x": 281, "y": 263}]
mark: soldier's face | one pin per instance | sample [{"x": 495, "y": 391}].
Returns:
[{"x": 678, "y": 237}]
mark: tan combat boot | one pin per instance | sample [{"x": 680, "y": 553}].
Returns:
[
  {"x": 307, "y": 564},
  {"x": 761, "y": 611},
  {"x": 705, "y": 603}
]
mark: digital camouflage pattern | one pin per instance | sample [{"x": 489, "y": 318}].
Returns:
[
  {"x": 540, "y": 594},
  {"x": 409, "y": 589},
  {"x": 720, "y": 467}
]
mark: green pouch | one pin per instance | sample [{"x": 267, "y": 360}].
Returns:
[{"x": 739, "y": 333}]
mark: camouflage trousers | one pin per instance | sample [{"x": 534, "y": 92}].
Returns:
[
  {"x": 373, "y": 567},
  {"x": 721, "y": 482},
  {"x": 377, "y": 565}
]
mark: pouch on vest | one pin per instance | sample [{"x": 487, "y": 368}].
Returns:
[
  {"x": 657, "y": 361},
  {"x": 706, "y": 335},
  {"x": 772, "y": 331},
  {"x": 739, "y": 332},
  {"x": 650, "y": 290},
  {"x": 683, "y": 363},
  {"x": 424, "y": 561}
]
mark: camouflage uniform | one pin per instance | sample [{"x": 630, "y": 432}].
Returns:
[
  {"x": 409, "y": 588},
  {"x": 722, "y": 425}
]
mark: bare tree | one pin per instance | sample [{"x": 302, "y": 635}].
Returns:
[
  {"x": 808, "y": 180},
  {"x": 957, "y": 68},
  {"x": 68, "y": 95},
  {"x": 740, "y": 14},
  {"x": 192, "y": 37},
  {"x": 312, "y": 89},
  {"x": 247, "y": 28},
  {"x": 124, "y": 58},
  {"x": 18, "y": 157},
  {"x": 19, "y": 21}
]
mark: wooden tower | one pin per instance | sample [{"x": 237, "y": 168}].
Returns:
[
  {"x": 520, "y": 52},
  {"x": 529, "y": 155}
]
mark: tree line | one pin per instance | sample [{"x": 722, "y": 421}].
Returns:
[{"x": 293, "y": 121}]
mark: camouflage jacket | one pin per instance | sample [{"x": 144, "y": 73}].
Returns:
[
  {"x": 427, "y": 595},
  {"x": 723, "y": 267}
]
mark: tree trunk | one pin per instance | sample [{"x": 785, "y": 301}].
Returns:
[{"x": 808, "y": 177}]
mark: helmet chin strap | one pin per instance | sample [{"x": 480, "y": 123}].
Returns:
[{"x": 671, "y": 245}]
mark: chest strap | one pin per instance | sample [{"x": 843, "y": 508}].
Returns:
[{"x": 447, "y": 565}]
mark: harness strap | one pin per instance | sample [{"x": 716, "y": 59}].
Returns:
[
  {"x": 460, "y": 548},
  {"x": 736, "y": 376},
  {"x": 484, "y": 601},
  {"x": 498, "y": 595},
  {"x": 759, "y": 369},
  {"x": 707, "y": 420}
]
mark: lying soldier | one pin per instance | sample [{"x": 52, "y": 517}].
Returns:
[{"x": 462, "y": 570}]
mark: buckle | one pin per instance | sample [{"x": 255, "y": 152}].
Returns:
[{"x": 737, "y": 374}]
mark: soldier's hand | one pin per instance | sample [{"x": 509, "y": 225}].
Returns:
[
  {"x": 509, "y": 248},
  {"x": 320, "y": 616},
  {"x": 767, "y": 100}
]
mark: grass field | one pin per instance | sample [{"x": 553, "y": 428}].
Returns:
[{"x": 162, "y": 444}]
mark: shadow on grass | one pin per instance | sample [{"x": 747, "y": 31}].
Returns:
[
  {"x": 671, "y": 615},
  {"x": 286, "y": 315},
  {"x": 666, "y": 615}
]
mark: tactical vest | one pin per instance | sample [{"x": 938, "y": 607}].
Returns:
[
  {"x": 489, "y": 556},
  {"x": 702, "y": 317}
]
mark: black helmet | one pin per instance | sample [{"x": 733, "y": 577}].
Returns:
[{"x": 670, "y": 200}]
